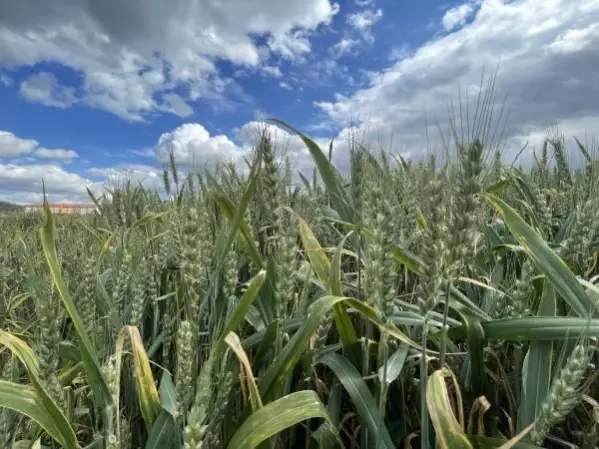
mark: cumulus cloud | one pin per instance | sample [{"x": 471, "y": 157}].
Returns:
[
  {"x": 457, "y": 16},
  {"x": 194, "y": 148},
  {"x": 192, "y": 145},
  {"x": 291, "y": 145},
  {"x": 57, "y": 154},
  {"x": 44, "y": 88},
  {"x": 126, "y": 66},
  {"x": 138, "y": 174},
  {"x": 12, "y": 147},
  {"x": 546, "y": 56},
  {"x": 25, "y": 183}
]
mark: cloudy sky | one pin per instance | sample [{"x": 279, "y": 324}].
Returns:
[{"x": 94, "y": 91}]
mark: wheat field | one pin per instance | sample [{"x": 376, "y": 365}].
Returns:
[{"x": 400, "y": 305}]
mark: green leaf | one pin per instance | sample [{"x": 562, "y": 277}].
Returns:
[
  {"x": 361, "y": 397},
  {"x": 66, "y": 377},
  {"x": 306, "y": 182},
  {"x": 277, "y": 416},
  {"x": 281, "y": 367},
  {"x": 266, "y": 340},
  {"x": 93, "y": 198},
  {"x": 329, "y": 175},
  {"x": 162, "y": 434},
  {"x": 167, "y": 393},
  {"x": 238, "y": 219},
  {"x": 476, "y": 343},
  {"x": 583, "y": 151},
  {"x": 334, "y": 403},
  {"x": 26, "y": 355},
  {"x": 243, "y": 306},
  {"x": 265, "y": 336},
  {"x": 498, "y": 186},
  {"x": 147, "y": 219},
  {"x": 95, "y": 378},
  {"x": 394, "y": 365},
  {"x": 536, "y": 372},
  {"x": 480, "y": 442},
  {"x": 27, "y": 401},
  {"x": 326, "y": 436},
  {"x": 324, "y": 271},
  {"x": 254, "y": 318},
  {"x": 545, "y": 259},
  {"x": 97, "y": 443},
  {"x": 228, "y": 210},
  {"x": 318, "y": 259},
  {"x": 457, "y": 298},
  {"x": 405, "y": 257},
  {"x": 535, "y": 329}
]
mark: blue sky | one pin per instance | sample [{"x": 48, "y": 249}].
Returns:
[{"x": 99, "y": 91}]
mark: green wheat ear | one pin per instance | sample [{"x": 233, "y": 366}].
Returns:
[
  {"x": 564, "y": 394},
  {"x": 185, "y": 366},
  {"x": 272, "y": 308}
]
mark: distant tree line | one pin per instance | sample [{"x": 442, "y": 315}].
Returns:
[{"x": 6, "y": 206}]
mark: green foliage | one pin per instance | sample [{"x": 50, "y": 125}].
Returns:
[{"x": 402, "y": 305}]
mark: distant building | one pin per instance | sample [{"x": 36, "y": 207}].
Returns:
[{"x": 62, "y": 208}]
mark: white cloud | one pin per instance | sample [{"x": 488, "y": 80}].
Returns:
[
  {"x": 57, "y": 154},
  {"x": 398, "y": 53},
  {"x": 12, "y": 146},
  {"x": 129, "y": 54},
  {"x": 284, "y": 85},
  {"x": 145, "y": 152},
  {"x": 193, "y": 145},
  {"x": 44, "y": 88},
  {"x": 291, "y": 46},
  {"x": 292, "y": 145},
  {"x": 177, "y": 105},
  {"x": 345, "y": 45},
  {"x": 272, "y": 70},
  {"x": 359, "y": 32},
  {"x": 5, "y": 79},
  {"x": 545, "y": 51},
  {"x": 25, "y": 183},
  {"x": 364, "y": 20},
  {"x": 575, "y": 40},
  {"x": 149, "y": 177},
  {"x": 457, "y": 16}
]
